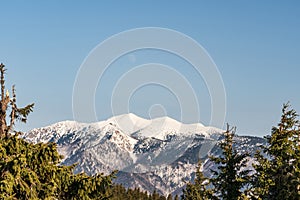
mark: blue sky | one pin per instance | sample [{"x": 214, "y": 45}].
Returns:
[{"x": 255, "y": 45}]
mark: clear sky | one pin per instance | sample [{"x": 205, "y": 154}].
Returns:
[{"x": 255, "y": 45}]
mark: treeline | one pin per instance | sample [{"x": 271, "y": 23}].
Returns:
[
  {"x": 276, "y": 168},
  {"x": 32, "y": 171},
  {"x": 119, "y": 193}
]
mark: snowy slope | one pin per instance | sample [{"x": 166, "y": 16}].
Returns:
[{"x": 151, "y": 154}]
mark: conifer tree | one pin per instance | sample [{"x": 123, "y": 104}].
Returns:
[
  {"x": 6, "y": 103},
  {"x": 197, "y": 190},
  {"x": 32, "y": 171},
  {"x": 170, "y": 197},
  {"x": 230, "y": 178},
  {"x": 155, "y": 195},
  {"x": 277, "y": 174}
]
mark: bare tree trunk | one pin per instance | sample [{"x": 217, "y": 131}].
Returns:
[{"x": 3, "y": 103}]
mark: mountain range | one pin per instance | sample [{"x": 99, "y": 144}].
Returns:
[{"x": 159, "y": 154}]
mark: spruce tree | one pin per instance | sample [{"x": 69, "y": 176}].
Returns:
[
  {"x": 176, "y": 197},
  {"x": 278, "y": 169},
  {"x": 9, "y": 103},
  {"x": 155, "y": 195},
  {"x": 230, "y": 178},
  {"x": 32, "y": 171},
  {"x": 197, "y": 190}
]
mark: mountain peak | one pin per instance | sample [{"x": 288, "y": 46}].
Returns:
[
  {"x": 129, "y": 123},
  {"x": 163, "y": 149},
  {"x": 166, "y": 119}
]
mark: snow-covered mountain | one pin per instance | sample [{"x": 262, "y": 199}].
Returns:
[{"x": 150, "y": 154}]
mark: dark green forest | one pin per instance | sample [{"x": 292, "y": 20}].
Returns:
[{"x": 32, "y": 171}]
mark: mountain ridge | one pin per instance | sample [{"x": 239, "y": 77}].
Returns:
[{"x": 150, "y": 154}]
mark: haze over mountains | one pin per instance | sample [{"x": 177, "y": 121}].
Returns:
[{"x": 150, "y": 154}]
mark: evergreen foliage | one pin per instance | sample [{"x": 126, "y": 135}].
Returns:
[
  {"x": 230, "y": 179},
  {"x": 119, "y": 193},
  {"x": 32, "y": 171},
  {"x": 278, "y": 173},
  {"x": 6, "y": 104},
  {"x": 170, "y": 197},
  {"x": 197, "y": 190}
]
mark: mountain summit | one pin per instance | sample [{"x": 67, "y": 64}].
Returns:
[{"x": 151, "y": 154}]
